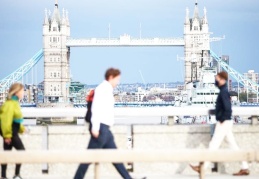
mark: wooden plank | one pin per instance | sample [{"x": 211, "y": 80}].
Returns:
[{"x": 108, "y": 156}]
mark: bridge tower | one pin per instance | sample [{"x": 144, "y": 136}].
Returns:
[
  {"x": 196, "y": 44},
  {"x": 56, "y": 30}
]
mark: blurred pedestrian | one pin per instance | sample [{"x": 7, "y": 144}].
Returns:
[
  {"x": 11, "y": 120},
  {"x": 102, "y": 119},
  {"x": 224, "y": 123}
]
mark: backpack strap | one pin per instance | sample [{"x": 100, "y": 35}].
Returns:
[{"x": 90, "y": 96}]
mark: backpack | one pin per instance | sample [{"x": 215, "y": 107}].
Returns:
[{"x": 89, "y": 100}]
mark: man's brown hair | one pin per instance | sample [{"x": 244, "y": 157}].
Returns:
[
  {"x": 223, "y": 75},
  {"x": 112, "y": 72}
]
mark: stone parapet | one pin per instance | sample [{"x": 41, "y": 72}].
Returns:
[{"x": 176, "y": 137}]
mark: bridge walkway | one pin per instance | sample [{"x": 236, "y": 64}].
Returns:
[{"x": 209, "y": 176}]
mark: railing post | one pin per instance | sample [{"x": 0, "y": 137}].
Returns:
[
  {"x": 129, "y": 166},
  {"x": 254, "y": 120},
  {"x": 202, "y": 171},
  {"x": 45, "y": 146},
  {"x": 96, "y": 171},
  {"x": 170, "y": 120}
]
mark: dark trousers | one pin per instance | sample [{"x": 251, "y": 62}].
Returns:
[
  {"x": 18, "y": 145},
  {"x": 104, "y": 141}
]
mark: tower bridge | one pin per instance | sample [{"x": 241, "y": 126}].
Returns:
[{"x": 57, "y": 43}]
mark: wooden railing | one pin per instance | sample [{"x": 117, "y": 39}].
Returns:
[{"x": 122, "y": 156}]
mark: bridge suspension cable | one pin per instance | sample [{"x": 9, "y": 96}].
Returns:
[
  {"x": 20, "y": 72},
  {"x": 249, "y": 84}
]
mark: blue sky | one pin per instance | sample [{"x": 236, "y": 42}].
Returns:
[{"x": 21, "y": 35}]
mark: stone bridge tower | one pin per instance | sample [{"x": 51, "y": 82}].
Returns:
[
  {"x": 56, "y": 30},
  {"x": 197, "y": 44}
]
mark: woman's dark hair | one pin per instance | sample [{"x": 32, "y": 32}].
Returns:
[{"x": 112, "y": 72}]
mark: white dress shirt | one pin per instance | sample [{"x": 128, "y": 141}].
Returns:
[{"x": 103, "y": 106}]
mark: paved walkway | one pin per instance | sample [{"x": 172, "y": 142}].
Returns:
[{"x": 216, "y": 176}]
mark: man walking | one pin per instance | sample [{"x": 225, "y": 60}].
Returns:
[
  {"x": 224, "y": 123},
  {"x": 102, "y": 119}
]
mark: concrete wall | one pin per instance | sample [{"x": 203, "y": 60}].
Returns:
[
  {"x": 144, "y": 137},
  {"x": 189, "y": 137}
]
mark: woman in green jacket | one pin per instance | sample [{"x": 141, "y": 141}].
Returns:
[{"x": 11, "y": 124}]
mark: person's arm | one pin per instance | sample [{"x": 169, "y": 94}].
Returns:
[
  {"x": 22, "y": 129},
  {"x": 7, "y": 121},
  {"x": 97, "y": 107},
  {"x": 226, "y": 103},
  {"x": 18, "y": 113}
]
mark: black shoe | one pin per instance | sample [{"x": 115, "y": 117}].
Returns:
[{"x": 215, "y": 168}]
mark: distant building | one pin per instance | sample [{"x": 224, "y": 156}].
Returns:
[
  {"x": 215, "y": 64},
  {"x": 56, "y": 29},
  {"x": 2, "y": 98},
  {"x": 230, "y": 85},
  {"x": 40, "y": 96},
  {"x": 197, "y": 43},
  {"x": 225, "y": 58},
  {"x": 180, "y": 87},
  {"x": 252, "y": 76},
  {"x": 30, "y": 94},
  {"x": 168, "y": 98},
  {"x": 41, "y": 86},
  {"x": 41, "y": 92},
  {"x": 124, "y": 97},
  {"x": 140, "y": 94}
]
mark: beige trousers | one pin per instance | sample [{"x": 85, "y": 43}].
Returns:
[{"x": 223, "y": 130}]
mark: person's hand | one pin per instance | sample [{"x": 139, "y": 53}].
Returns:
[
  {"x": 27, "y": 130},
  {"x": 95, "y": 134},
  {"x": 8, "y": 141}
]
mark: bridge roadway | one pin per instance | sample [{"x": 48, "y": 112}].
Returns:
[
  {"x": 194, "y": 176},
  {"x": 124, "y": 40},
  {"x": 127, "y": 41}
]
